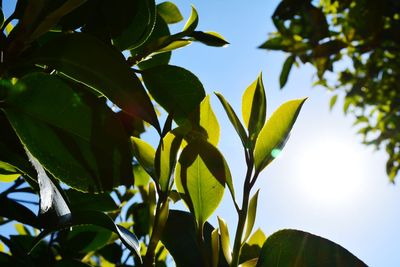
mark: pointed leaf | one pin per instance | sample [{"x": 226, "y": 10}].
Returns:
[
  {"x": 200, "y": 176},
  {"x": 297, "y": 248},
  {"x": 14, "y": 211},
  {"x": 287, "y": 66},
  {"x": 252, "y": 247},
  {"x": 209, "y": 38},
  {"x": 254, "y": 107},
  {"x": 225, "y": 240},
  {"x": 275, "y": 132},
  {"x": 86, "y": 146},
  {"x": 86, "y": 59},
  {"x": 86, "y": 201},
  {"x": 165, "y": 159},
  {"x": 234, "y": 119},
  {"x": 169, "y": 12},
  {"x": 251, "y": 215},
  {"x": 332, "y": 102},
  {"x": 192, "y": 22},
  {"x": 214, "y": 248},
  {"x": 145, "y": 154},
  {"x": 249, "y": 263},
  {"x": 177, "y": 90}
]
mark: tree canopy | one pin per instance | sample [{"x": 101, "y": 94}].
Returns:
[{"x": 354, "y": 47}]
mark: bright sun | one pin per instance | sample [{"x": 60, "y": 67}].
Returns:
[{"x": 330, "y": 170}]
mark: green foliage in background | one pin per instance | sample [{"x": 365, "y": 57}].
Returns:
[
  {"x": 85, "y": 190},
  {"x": 353, "y": 45}
]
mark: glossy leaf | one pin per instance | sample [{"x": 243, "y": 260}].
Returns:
[
  {"x": 94, "y": 218},
  {"x": 169, "y": 12},
  {"x": 86, "y": 146},
  {"x": 86, "y": 59},
  {"x": 251, "y": 215},
  {"x": 86, "y": 201},
  {"x": 176, "y": 89},
  {"x": 287, "y": 66},
  {"x": 225, "y": 240},
  {"x": 165, "y": 159},
  {"x": 297, "y": 248},
  {"x": 145, "y": 154},
  {"x": 233, "y": 119},
  {"x": 254, "y": 107},
  {"x": 192, "y": 22},
  {"x": 275, "y": 132},
  {"x": 200, "y": 176},
  {"x": 209, "y": 38}
]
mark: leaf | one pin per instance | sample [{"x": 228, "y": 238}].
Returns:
[
  {"x": 7, "y": 178},
  {"x": 225, "y": 240},
  {"x": 176, "y": 89},
  {"x": 249, "y": 263},
  {"x": 145, "y": 154},
  {"x": 14, "y": 211},
  {"x": 297, "y": 248},
  {"x": 200, "y": 176},
  {"x": 169, "y": 12},
  {"x": 87, "y": 201},
  {"x": 252, "y": 247},
  {"x": 251, "y": 215},
  {"x": 86, "y": 238},
  {"x": 85, "y": 145},
  {"x": 287, "y": 66},
  {"x": 192, "y": 22},
  {"x": 209, "y": 38},
  {"x": 180, "y": 238},
  {"x": 90, "y": 61},
  {"x": 234, "y": 119},
  {"x": 1, "y": 17},
  {"x": 332, "y": 101},
  {"x": 93, "y": 218},
  {"x": 214, "y": 248},
  {"x": 140, "y": 28},
  {"x": 142, "y": 178},
  {"x": 165, "y": 159},
  {"x": 275, "y": 132},
  {"x": 254, "y": 107}
]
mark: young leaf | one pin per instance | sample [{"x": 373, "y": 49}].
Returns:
[
  {"x": 209, "y": 38},
  {"x": 145, "y": 154},
  {"x": 251, "y": 215},
  {"x": 297, "y": 248},
  {"x": 225, "y": 240},
  {"x": 214, "y": 248},
  {"x": 287, "y": 66},
  {"x": 169, "y": 12},
  {"x": 234, "y": 119},
  {"x": 85, "y": 145},
  {"x": 200, "y": 176},
  {"x": 176, "y": 89},
  {"x": 165, "y": 159},
  {"x": 86, "y": 59},
  {"x": 275, "y": 132},
  {"x": 192, "y": 22},
  {"x": 254, "y": 107}
]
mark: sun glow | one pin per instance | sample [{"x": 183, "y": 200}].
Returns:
[{"x": 330, "y": 170}]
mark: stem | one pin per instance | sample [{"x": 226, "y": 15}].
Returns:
[{"x": 202, "y": 247}]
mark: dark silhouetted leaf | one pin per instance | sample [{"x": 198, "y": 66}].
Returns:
[
  {"x": 14, "y": 211},
  {"x": 209, "y": 38},
  {"x": 287, "y": 66},
  {"x": 86, "y": 201}
]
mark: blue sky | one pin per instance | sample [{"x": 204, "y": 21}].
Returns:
[{"x": 357, "y": 208}]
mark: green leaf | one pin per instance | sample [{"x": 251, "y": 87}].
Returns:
[
  {"x": 251, "y": 215},
  {"x": 254, "y": 107},
  {"x": 145, "y": 154},
  {"x": 192, "y": 22},
  {"x": 214, "y": 248},
  {"x": 332, "y": 101},
  {"x": 142, "y": 178},
  {"x": 140, "y": 28},
  {"x": 234, "y": 119},
  {"x": 7, "y": 178},
  {"x": 165, "y": 159},
  {"x": 252, "y": 247},
  {"x": 275, "y": 132},
  {"x": 297, "y": 248},
  {"x": 86, "y": 238},
  {"x": 225, "y": 240},
  {"x": 209, "y": 38},
  {"x": 169, "y": 12},
  {"x": 176, "y": 89},
  {"x": 200, "y": 177},
  {"x": 85, "y": 145},
  {"x": 70, "y": 263},
  {"x": 14, "y": 211},
  {"x": 90, "y": 61},
  {"x": 249, "y": 263},
  {"x": 93, "y": 218},
  {"x": 87, "y": 201},
  {"x": 287, "y": 66},
  {"x": 180, "y": 238}
]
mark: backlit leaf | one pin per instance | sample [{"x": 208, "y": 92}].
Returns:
[
  {"x": 297, "y": 248},
  {"x": 192, "y": 22},
  {"x": 287, "y": 66},
  {"x": 251, "y": 215},
  {"x": 225, "y": 240},
  {"x": 169, "y": 12},
  {"x": 144, "y": 153},
  {"x": 275, "y": 132},
  {"x": 214, "y": 248}
]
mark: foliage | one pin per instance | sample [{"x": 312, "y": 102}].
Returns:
[
  {"x": 358, "y": 41},
  {"x": 73, "y": 108}
]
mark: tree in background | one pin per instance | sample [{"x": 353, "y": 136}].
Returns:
[{"x": 354, "y": 47}]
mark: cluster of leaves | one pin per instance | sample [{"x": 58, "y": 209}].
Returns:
[
  {"x": 361, "y": 36},
  {"x": 72, "y": 111}
]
